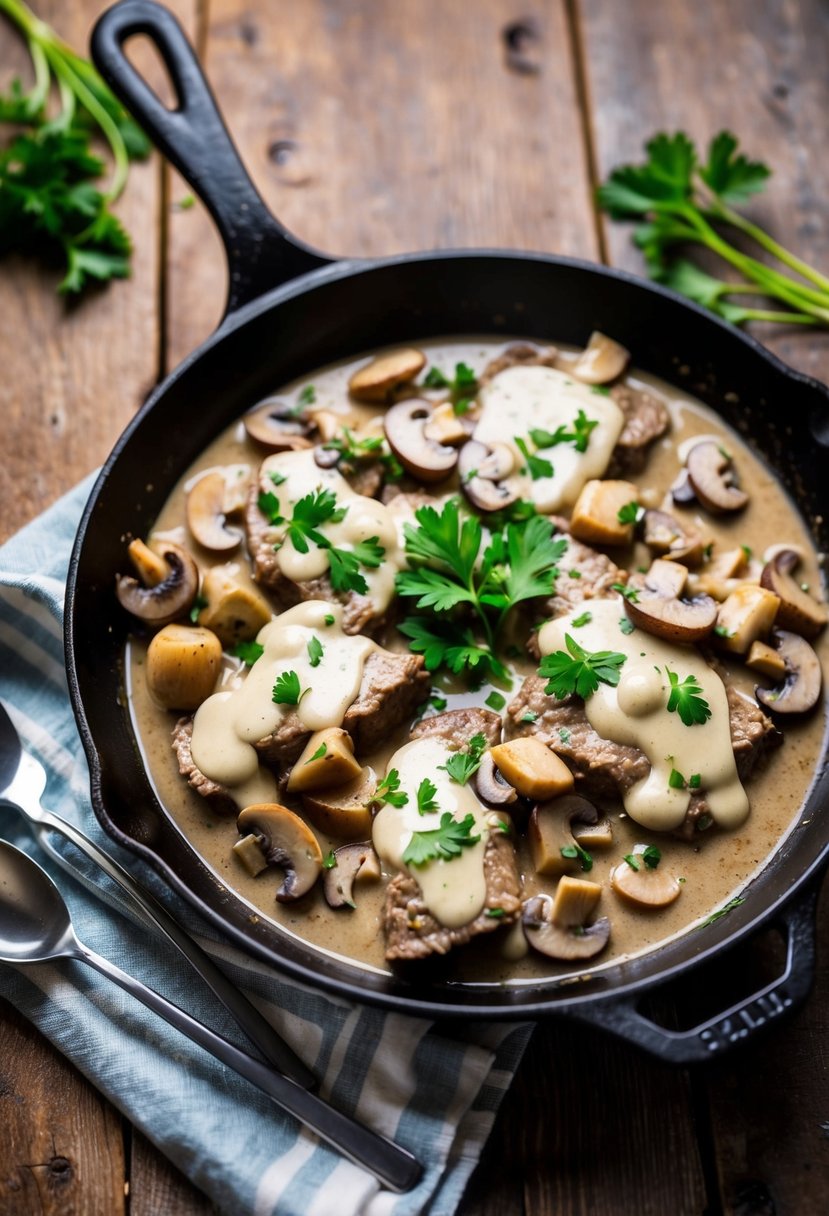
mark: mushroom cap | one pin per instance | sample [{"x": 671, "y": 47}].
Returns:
[
  {"x": 659, "y": 610},
  {"x": 424, "y": 458},
  {"x": 709, "y": 469},
  {"x": 602, "y": 360},
  {"x": 490, "y": 785},
  {"x": 645, "y": 887},
  {"x": 277, "y": 426},
  {"x": 565, "y": 943},
  {"x": 682, "y": 492},
  {"x": 287, "y": 842},
  {"x": 801, "y": 688},
  {"x": 377, "y": 380},
  {"x": 482, "y": 468},
  {"x": 167, "y": 600},
  {"x": 665, "y": 534},
  {"x": 206, "y": 514},
  {"x": 349, "y": 861},
  {"x": 798, "y": 610}
]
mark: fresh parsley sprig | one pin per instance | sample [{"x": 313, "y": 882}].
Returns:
[
  {"x": 461, "y": 765},
  {"x": 685, "y": 699},
  {"x": 579, "y": 671},
  {"x": 462, "y": 388},
  {"x": 286, "y": 690},
  {"x": 443, "y": 843},
  {"x": 389, "y": 790},
  {"x": 355, "y": 451}
]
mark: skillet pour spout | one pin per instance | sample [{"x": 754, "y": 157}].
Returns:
[{"x": 291, "y": 309}]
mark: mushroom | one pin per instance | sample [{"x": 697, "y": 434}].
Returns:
[
  {"x": 352, "y": 862},
  {"x": 682, "y": 492},
  {"x": 798, "y": 610},
  {"x": 711, "y": 475},
  {"x": 659, "y": 610},
  {"x": 601, "y": 360},
  {"x": 665, "y": 535},
  {"x": 747, "y": 614},
  {"x": 235, "y": 611},
  {"x": 167, "y": 600},
  {"x": 379, "y": 379},
  {"x": 405, "y": 426},
  {"x": 345, "y": 811},
  {"x": 149, "y": 567},
  {"x": 532, "y": 768},
  {"x": 206, "y": 514},
  {"x": 326, "y": 761},
  {"x": 596, "y": 515},
  {"x": 801, "y": 687},
  {"x": 564, "y": 941},
  {"x": 278, "y": 426},
  {"x": 183, "y": 663},
  {"x": 644, "y": 887},
  {"x": 482, "y": 468},
  {"x": 284, "y": 841},
  {"x": 491, "y": 786},
  {"x": 551, "y": 830}
]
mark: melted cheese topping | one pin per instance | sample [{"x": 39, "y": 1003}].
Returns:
[
  {"x": 521, "y": 399},
  {"x": 365, "y": 519},
  {"x": 227, "y": 724},
  {"x": 636, "y": 713},
  {"x": 453, "y": 891}
]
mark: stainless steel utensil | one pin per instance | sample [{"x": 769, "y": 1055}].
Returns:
[
  {"x": 22, "y": 782},
  {"x": 35, "y": 927}
]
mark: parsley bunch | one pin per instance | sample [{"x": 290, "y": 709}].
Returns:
[
  {"x": 469, "y": 593},
  {"x": 49, "y": 204},
  {"x": 684, "y": 200}
]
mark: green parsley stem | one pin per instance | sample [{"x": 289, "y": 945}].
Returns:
[{"x": 721, "y": 211}]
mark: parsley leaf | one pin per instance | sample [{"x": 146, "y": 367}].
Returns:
[
  {"x": 426, "y": 800},
  {"x": 630, "y": 858},
  {"x": 329, "y": 861},
  {"x": 496, "y": 700},
  {"x": 536, "y": 466},
  {"x": 573, "y": 851},
  {"x": 584, "y": 619},
  {"x": 199, "y": 603},
  {"x": 630, "y": 513},
  {"x": 270, "y": 508},
  {"x": 315, "y": 651},
  {"x": 444, "y": 842},
  {"x": 248, "y": 652},
  {"x": 626, "y": 625},
  {"x": 629, "y": 593},
  {"x": 354, "y": 451},
  {"x": 651, "y": 856},
  {"x": 461, "y": 765},
  {"x": 319, "y": 754},
  {"x": 308, "y": 395},
  {"x": 579, "y": 671},
  {"x": 685, "y": 699},
  {"x": 389, "y": 790},
  {"x": 344, "y": 565},
  {"x": 446, "y": 644},
  {"x": 286, "y": 690}
]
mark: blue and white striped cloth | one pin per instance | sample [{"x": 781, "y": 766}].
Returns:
[{"x": 436, "y": 1094}]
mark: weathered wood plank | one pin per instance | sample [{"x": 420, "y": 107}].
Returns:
[{"x": 156, "y": 1186}]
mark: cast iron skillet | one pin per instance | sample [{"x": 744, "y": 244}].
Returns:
[{"x": 291, "y": 310}]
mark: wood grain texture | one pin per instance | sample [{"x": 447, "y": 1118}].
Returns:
[
  {"x": 61, "y": 1143},
  {"x": 157, "y": 1188}
]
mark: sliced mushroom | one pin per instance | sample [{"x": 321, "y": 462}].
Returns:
[
  {"x": 405, "y": 427},
  {"x": 378, "y": 380},
  {"x": 682, "y": 492},
  {"x": 278, "y": 426},
  {"x": 167, "y": 600},
  {"x": 601, "y": 360},
  {"x": 183, "y": 664},
  {"x": 560, "y": 941},
  {"x": 711, "y": 474},
  {"x": 798, "y": 610},
  {"x": 665, "y": 535},
  {"x": 490, "y": 784},
  {"x": 285, "y": 841},
  {"x": 801, "y": 688},
  {"x": 482, "y": 469},
  {"x": 343, "y": 812},
  {"x": 645, "y": 887},
  {"x": 326, "y": 761},
  {"x": 352, "y": 862},
  {"x": 551, "y": 829},
  {"x": 593, "y": 836},
  {"x": 235, "y": 611},
  {"x": 532, "y": 768},
  {"x": 659, "y": 610},
  {"x": 206, "y": 517}
]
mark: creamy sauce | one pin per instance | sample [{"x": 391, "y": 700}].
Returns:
[
  {"x": 524, "y": 399},
  {"x": 635, "y": 712},
  {"x": 454, "y": 890}
]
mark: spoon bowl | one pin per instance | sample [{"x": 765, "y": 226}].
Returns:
[{"x": 34, "y": 920}]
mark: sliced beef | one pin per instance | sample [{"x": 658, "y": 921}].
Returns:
[
  {"x": 413, "y": 933},
  {"x": 393, "y": 686},
  {"x": 218, "y": 796},
  {"x": 586, "y": 574},
  {"x": 520, "y": 354},
  {"x": 646, "y": 418},
  {"x": 458, "y": 726}
]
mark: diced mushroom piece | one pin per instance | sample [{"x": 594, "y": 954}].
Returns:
[
  {"x": 659, "y": 610},
  {"x": 482, "y": 469},
  {"x": 800, "y": 690},
  {"x": 285, "y": 841},
  {"x": 327, "y": 761},
  {"x": 183, "y": 664},
  {"x": 593, "y": 836},
  {"x": 352, "y": 863},
  {"x": 446, "y": 427},
  {"x": 344, "y": 812},
  {"x": 247, "y": 850},
  {"x": 150, "y": 567},
  {"x": 551, "y": 828},
  {"x": 234, "y": 611},
  {"x": 278, "y": 426},
  {"x": 163, "y": 603},
  {"x": 711, "y": 474},
  {"x": 644, "y": 887},
  {"x": 575, "y": 901},
  {"x": 532, "y": 768},
  {"x": 595, "y": 518},
  {"x": 601, "y": 361},
  {"x": 721, "y": 575},
  {"x": 206, "y": 517},
  {"x": 747, "y": 614},
  {"x": 490, "y": 784},
  {"x": 564, "y": 942},
  {"x": 798, "y": 610},
  {"x": 766, "y": 660},
  {"x": 405, "y": 427},
  {"x": 666, "y": 536},
  {"x": 378, "y": 380}
]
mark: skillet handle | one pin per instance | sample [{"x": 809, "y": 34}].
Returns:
[
  {"x": 739, "y": 1022},
  {"x": 261, "y": 253}
]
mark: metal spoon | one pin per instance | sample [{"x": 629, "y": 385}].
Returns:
[
  {"x": 22, "y": 782},
  {"x": 35, "y": 927}
]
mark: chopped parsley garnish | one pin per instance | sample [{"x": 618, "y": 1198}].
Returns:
[
  {"x": 732, "y": 903},
  {"x": 651, "y": 856},
  {"x": 344, "y": 565},
  {"x": 564, "y": 735},
  {"x": 270, "y": 508},
  {"x": 248, "y": 652},
  {"x": 199, "y": 604},
  {"x": 426, "y": 800},
  {"x": 389, "y": 790},
  {"x": 575, "y": 851},
  {"x": 444, "y": 842},
  {"x": 630, "y": 858},
  {"x": 722, "y": 632},
  {"x": 309, "y": 514},
  {"x": 747, "y": 552},
  {"x": 685, "y": 700},
  {"x": 600, "y": 390},
  {"x": 277, "y": 478},
  {"x": 579, "y": 436},
  {"x": 496, "y": 700},
  {"x": 308, "y": 395},
  {"x": 529, "y": 715},
  {"x": 580, "y": 671},
  {"x": 630, "y": 513},
  {"x": 574, "y": 573},
  {"x": 435, "y": 378},
  {"x": 626, "y": 625},
  {"x": 676, "y": 781},
  {"x": 629, "y": 593},
  {"x": 329, "y": 861},
  {"x": 462, "y": 388},
  {"x": 315, "y": 651},
  {"x": 371, "y": 447},
  {"x": 536, "y": 466},
  {"x": 584, "y": 619},
  {"x": 461, "y": 765},
  {"x": 319, "y": 754},
  {"x": 495, "y": 913},
  {"x": 694, "y": 781},
  {"x": 329, "y": 619},
  {"x": 286, "y": 690}
]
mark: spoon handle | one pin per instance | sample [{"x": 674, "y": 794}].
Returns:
[
  {"x": 258, "y": 1030},
  {"x": 396, "y": 1168}
]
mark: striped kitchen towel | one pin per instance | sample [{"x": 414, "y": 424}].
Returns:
[{"x": 435, "y": 1094}]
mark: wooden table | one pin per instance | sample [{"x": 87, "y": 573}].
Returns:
[{"x": 371, "y": 127}]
